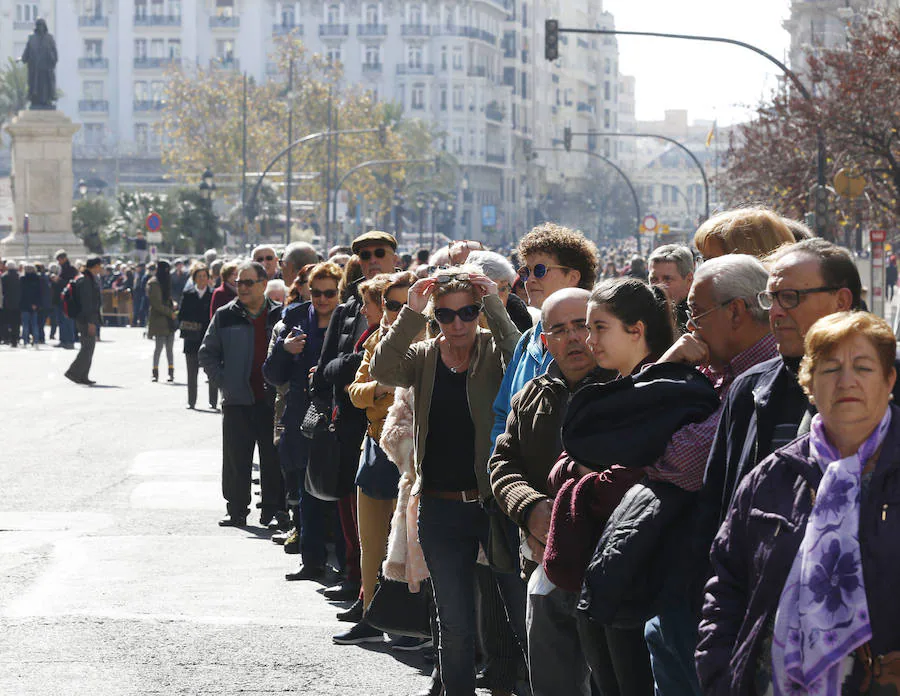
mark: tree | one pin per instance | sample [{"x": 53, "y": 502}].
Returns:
[
  {"x": 90, "y": 219},
  {"x": 857, "y": 88},
  {"x": 13, "y": 90}
]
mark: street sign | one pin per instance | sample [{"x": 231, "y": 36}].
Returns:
[
  {"x": 877, "y": 235},
  {"x": 155, "y": 237},
  {"x": 153, "y": 222},
  {"x": 876, "y": 279},
  {"x": 154, "y": 252},
  {"x": 664, "y": 229},
  {"x": 650, "y": 223}
]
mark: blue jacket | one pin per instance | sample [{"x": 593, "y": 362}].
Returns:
[
  {"x": 529, "y": 360},
  {"x": 756, "y": 546}
]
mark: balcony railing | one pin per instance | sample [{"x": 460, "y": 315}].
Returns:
[
  {"x": 372, "y": 68},
  {"x": 416, "y": 30},
  {"x": 93, "y": 63},
  {"x": 495, "y": 159},
  {"x": 93, "y": 21},
  {"x": 284, "y": 29},
  {"x": 148, "y": 105},
  {"x": 225, "y": 64},
  {"x": 494, "y": 113},
  {"x": 224, "y": 22},
  {"x": 157, "y": 20},
  {"x": 584, "y": 108},
  {"x": 334, "y": 29},
  {"x": 468, "y": 32},
  {"x": 96, "y": 105},
  {"x": 371, "y": 29},
  {"x": 477, "y": 71},
  {"x": 424, "y": 69},
  {"x": 148, "y": 63}
]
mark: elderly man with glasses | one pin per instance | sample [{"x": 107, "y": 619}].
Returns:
[
  {"x": 266, "y": 256},
  {"x": 232, "y": 355}
]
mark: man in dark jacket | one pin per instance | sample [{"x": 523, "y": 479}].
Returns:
[
  {"x": 87, "y": 292},
  {"x": 523, "y": 456},
  {"x": 30, "y": 304},
  {"x": 377, "y": 252},
  {"x": 232, "y": 355},
  {"x": 67, "y": 272},
  {"x": 12, "y": 299}
]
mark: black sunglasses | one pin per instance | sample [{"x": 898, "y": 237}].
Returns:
[
  {"x": 260, "y": 259},
  {"x": 247, "y": 283},
  {"x": 393, "y": 305},
  {"x": 366, "y": 254},
  {"x": 469, "y": 313},
  {"x": 327, "y": 293}
]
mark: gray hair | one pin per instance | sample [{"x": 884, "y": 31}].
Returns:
[
  {"x": 210, "y": 255},
  {"x": 678, "y": 254},
  {"x": 300, "y": 254},
  {"x": 493, "y": 265},
  {"x": 736, "y": 276},
  {"x": 256, "y": 267}
]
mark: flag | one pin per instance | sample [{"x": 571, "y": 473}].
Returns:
[{"x": 711, "y": 134}]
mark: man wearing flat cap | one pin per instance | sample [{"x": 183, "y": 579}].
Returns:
[{"x": 377, "y": 252}]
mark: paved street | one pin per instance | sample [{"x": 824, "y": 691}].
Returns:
[{"x": 115, "y": 579}]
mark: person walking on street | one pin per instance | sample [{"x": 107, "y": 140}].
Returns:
[
  {"x": 88, "y": 298},
  {"x": 161, "y": 322},
  {"x": 193, "y": 317},
  {"x": 232, "y": 354}
]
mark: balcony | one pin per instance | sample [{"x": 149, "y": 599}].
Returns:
[
  {"x": 584, "y": 107},
  {"x": 477, "y": 71},
  {"x": 467, "y": 32},
  {"x": 285, "y": 29},
  {"x": 494, "y": 113},
  {"x": 86, "y": 21},
  {"x": 93, "y": 105},
  {"x": 93, "y": 63},
  {"x": 148, "y": 63},
  {"x": 372, "y": 68},
  {"x": 424, "y": 69},
  {"x": 416, "y": 30},
  {"x": 148, "y": 105},
  {"x": 224, "y": 22},
  {"x": 23, "y": 26},
  {"x": 371, "y": 29},
  {"x": 219, "y": 63},
  {"x": 157, "y": 20},
  {"x": 334, "y": 30},
  {"x": 495, "y": 159}
]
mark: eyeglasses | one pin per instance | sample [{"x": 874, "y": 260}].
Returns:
[
  {"x": 366, "y": 254},
  {"x": 248, "y": 283},
  {"x": 260, "y": 259},
  {"x": 693, "y": 320},
  {"x": 539, "y": 270},
  {"x": 788, "y": 299},
  {"x": 468, "y": 314},
  {"x": 393, "y": 305},
  {"x": 448, "y": 277},
  {"x": 330, "y": 293},
  {"x": 579, "y": 331}
]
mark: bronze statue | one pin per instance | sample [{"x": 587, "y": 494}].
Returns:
[{"x": 40, "y": 57}]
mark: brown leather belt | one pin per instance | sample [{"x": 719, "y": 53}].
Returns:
[{"x": 470, "y": 496}]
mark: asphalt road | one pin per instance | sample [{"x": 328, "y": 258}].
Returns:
[{"x": 114, "y": 577}]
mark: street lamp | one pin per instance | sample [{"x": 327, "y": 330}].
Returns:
[
  {"x": 420, "y": 204},
  {"x": 208, "y": 194},
  {"x": 82, "y": 188}
]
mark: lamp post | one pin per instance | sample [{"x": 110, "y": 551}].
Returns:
[
  {"x": 420, "y": 204},
  {"x": 82, "y": 188},
  {"x": 208, "y": 194}
]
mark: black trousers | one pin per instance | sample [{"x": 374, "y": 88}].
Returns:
[
  {"x": 10, "y": 326},
  {"x": 193, "y": 369},
  {"x": 244, "y": 427},
  {"x": 618, "y": 658}
]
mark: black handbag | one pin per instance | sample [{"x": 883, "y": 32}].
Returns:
[
  {"x": 323, "y": 472},
  {"x": 399, "y": 612},
  {"x": 377, "y": 476},
  {"x": 317, "y": 419}
]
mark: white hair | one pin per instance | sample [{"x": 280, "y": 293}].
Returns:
[
  {"x": 274, "y": 286},
  {"x": 736, "y": 276},
  {"x": 493, "y": 265}
]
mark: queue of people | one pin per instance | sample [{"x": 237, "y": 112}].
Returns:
[{"x": 674, "y": 476}]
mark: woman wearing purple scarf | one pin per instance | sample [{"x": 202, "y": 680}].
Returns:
[{"x": 806, "y": 568}]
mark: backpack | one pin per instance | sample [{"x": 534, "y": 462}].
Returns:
[{"x": 71, "y": 305}]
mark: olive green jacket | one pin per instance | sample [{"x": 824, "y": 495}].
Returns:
[
  {"x": 398, "y": 362},
  {"x": 159, "y": 318}
]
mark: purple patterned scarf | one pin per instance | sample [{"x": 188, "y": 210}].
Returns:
[{"x": 822, "y": 615}]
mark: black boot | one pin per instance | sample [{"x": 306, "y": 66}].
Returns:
[
  {"x": 155, "y": 374},
  {"x": 171, "y": 373}
]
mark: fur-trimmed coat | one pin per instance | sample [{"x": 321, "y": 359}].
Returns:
[{"x": 405, "y": 561}]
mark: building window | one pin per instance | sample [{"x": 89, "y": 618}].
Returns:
[
  {"x": 142, "y": 135},
  {"x": 444, "y": 100},
  {"x": 224, "y": 8},
  {"x": 140, "y": 48},
  {"x": 418, "y": 97},
  {"x": 175, "y": 8},
  {"x": 93, "y": 134},
  {"x": 92, "y": 90},
  {"x": 458, "y": 97},
  {"x": 449, "y": 19},
  {"x": 287, "y": 16},
  {"x": 140, "y": 8},
  {"x": 371, "y": 14},
  {"x": 607, "y": 94},
  {"x": 443, "y": 57},
  {"x": 157, "y": 48},
  {"x": 157, "y": 8},
  {"x": 373, "y": 55},
  {"x": 333, "y": 14},
  {"x": 92, "y": 8},
  {"x": 141, "y": 92},
  {"x": 174, "y": 48},
  {"x": 93, "y": 48},
  {"x": 225, "y": 50},
  {"x": 457, "y": 58},
  {"x": 333, "y": 54},
  {"x": 415, "y": 15},
  {"x": 414, "y": 56},
  {"x": 607, "y": 121}
]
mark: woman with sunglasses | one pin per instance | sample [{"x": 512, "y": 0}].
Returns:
[
  {"x": 378, "y": 477},
  {"x": 455, "y": 378},
  {"x": 294, "y": 352}
]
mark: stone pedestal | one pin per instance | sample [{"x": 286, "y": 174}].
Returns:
[{"x": 42, "y": 183}]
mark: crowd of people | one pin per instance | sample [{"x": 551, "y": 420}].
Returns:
[{"x": 600, "y": 474}]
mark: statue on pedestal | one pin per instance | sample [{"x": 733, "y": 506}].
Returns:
[{"x": 40, "y": 57}]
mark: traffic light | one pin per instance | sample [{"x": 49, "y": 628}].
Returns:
[
  {"x": 819, "y": 195},
  {"x": 567, "y": 138},
  {"x": 551, "y": 39}
]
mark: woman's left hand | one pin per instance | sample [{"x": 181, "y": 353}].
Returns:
[{"x": 483, "y": 284}]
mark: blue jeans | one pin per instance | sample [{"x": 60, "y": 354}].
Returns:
[
  {"x": 30, "y": 326},
  {"x": 293, "y": 451},
  {"x": 450, "y": 532},
  {"x": 66, "y": 327},
  {"x": 671, "y": 639}
]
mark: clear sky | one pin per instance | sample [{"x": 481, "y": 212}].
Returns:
[{"x": 709, "y": 80}]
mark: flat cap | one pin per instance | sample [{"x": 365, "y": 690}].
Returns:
[{"x": 373, "y": 237}]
